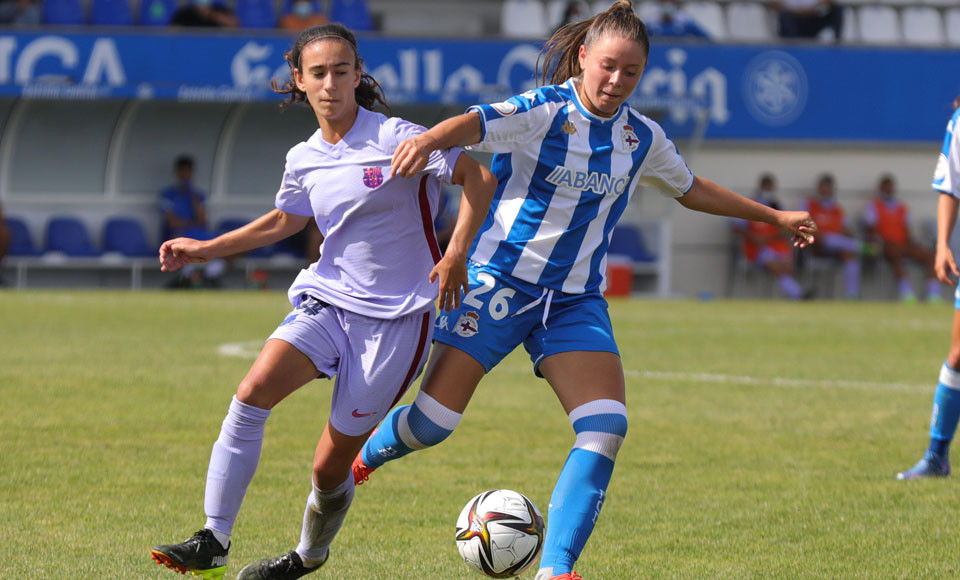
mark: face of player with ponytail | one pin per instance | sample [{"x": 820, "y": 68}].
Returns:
[{"x": 611, "y": 67}]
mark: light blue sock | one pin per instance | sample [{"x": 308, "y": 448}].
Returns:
[
  {"x": 581, "y": 488},
  {"x": 409, "y": 428},
  {"x": 946, "y": 410}
]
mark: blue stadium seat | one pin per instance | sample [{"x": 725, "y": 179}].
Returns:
[
  {"x": 288, "y": 6},
  {"x": 21, "y": 244},
  {"x": 628, "y": 241},
  {"x": 110, "y": 13},
  {"x": 156, "y": 12},
  {"x": 63, "y": 12},
  {"x": 230, "y": 224},
  {"x": 126, "y": 236},
  {"x": 255, "y": 13},
  {"x": 70, "y": 236},
  {"x": 351, "y": 13}
]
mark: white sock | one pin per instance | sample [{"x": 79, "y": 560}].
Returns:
[
  {"x": 322, "y": 519},
  {"x": 224, "y": 539},
  {"x": 233, "y": 461}
]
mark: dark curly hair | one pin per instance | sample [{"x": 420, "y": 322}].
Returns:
[
  {"x": 368, "y": 93},
  {"x": 559, "y": 59}
]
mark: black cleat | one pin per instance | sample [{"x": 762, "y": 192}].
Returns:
[
  {"x": 200, "y": 554},
  {"x": 285, "y": 567}
]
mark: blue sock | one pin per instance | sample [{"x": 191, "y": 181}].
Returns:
[
  {"x": 581, "y": 488},
  {"x": 946, "y": 411},
  {"x": 408, "y": 428}
]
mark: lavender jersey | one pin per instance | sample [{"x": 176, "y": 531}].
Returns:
[
  {"x": 565, "y": 177},
  {"x": 946, "y": 177},
  {"x": 379, "y": 244}
]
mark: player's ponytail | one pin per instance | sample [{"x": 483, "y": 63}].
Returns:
[
  {"x": 559, "y": 58},
  {"x": 368, "y": 93}
]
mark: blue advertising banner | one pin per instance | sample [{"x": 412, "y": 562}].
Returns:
[{"x": 739, "y": 92}]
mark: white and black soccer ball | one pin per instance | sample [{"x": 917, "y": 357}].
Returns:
[{"x": 500, "y": 533}]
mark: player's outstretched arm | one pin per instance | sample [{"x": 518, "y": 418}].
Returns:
[
  {"x": 267, "y": 229},
  {"x": 709, "y": 197},
  {"x": 478, "y": 188},
  {"x": 945, "y": 264},
  {"x": 411, "y": 155}
]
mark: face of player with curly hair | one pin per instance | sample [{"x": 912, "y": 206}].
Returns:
[
  {"x": 611, "y": 66},
  {"x": 328, "y": 74}
]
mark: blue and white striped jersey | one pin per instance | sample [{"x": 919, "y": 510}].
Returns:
[
  {"x": 946, "y": 178},
  {"x": 566, "y": 176}
]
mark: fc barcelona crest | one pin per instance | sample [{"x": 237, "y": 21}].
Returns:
[{"x": 372, "y": 177}]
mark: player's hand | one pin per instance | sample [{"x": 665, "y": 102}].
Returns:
[
  {"x": 452, "y": 273},
  {"x": 800, "y": 225},
  {"x": 945, "y": 265},
  {"x": 178, "y": 252},
  {"x": 412, "y": 155}
]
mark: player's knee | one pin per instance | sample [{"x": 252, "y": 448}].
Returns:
[
  {"x": 254, "y": 392},
  {"x": 601, "y": 426},
  {"x": 427, "y": 422}
]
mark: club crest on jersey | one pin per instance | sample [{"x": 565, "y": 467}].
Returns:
[
  {"x": 468, "y": 324},
  {"x": 568, "y": 128},
  {"x": 372, "y": 177},
  {"x": 629, "y": 138},
  {"x": 505, "y": 108}
]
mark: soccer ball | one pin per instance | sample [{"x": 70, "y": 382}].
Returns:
[{"x": 500, "y": 533}]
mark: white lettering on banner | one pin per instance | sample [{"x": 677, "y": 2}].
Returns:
[
  {"x": 103, "y": 67},
  {"x": 248, "y": 68},
  {"x": 679, "y": 98}
]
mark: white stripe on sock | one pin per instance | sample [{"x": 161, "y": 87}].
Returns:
[{"x": 949, "y": 378}]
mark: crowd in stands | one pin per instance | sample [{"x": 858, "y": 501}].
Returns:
[
  {"x": 925, "y": 23},
  {"x": 881, "y": 233}
]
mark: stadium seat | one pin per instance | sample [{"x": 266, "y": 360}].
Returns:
[
  {"x": 255, "y": 13},
  {"x": 110, "y": 13},
  {"x": 288, "y": 6},
  {"x": 70, "y": 236},
  {"x": 952, "y": 17},
  {"x": 879, "y": 25},
  {"x": 230, "y": 224},
  {"x": 648, "y": 11},
  {"x": 156, "y": 12},
  {"x": 523, "y": 19},
  {"x": 353, "y": 14},
  {"x": 21, "y": 244},
  {"x": 126, "y": 236},
  {"x": 748, "y": 21},
  {"x": 851, "y": 31},
  {"x": 922, "y": 26},
  {"x": 628, "y": 241},
  {"x": 68, "y": 12},
  {"x": 709, "y": 15}
]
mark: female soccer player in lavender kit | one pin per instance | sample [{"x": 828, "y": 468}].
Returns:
[
  {"x": 946, "y": 400},
  {"x": 363, "y": 312},
  {"x": 569, "y": 155}
]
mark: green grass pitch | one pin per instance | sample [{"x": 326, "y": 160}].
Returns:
[{"x": 764, "y": 438}]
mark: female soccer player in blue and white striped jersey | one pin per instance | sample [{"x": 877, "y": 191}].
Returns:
[
  {"x": 946, "y": 400},
  {"x": 363, "y": 312},
  {"x": 568, "y": 157}
]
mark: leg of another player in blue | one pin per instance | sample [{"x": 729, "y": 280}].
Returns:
[
  {"x": 408, "y": 428},
  {"x": 943, "y": 425},
  {"x": 581, "y": 488}
]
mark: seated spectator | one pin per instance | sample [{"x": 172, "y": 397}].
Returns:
[
  {"x": 887, "y": 221},
  {"x": 575, "y": 11},
  {"x": 674, "y": 22},
  {"x": 4, "y": 244},
  {"x": 766, "y": 246},
  {"x": 835, "y": 240},
  {"x": 807, "y": 18},
  {"x": 301, "y": 16},
  {"x": 21, "y": 12},
  {"x": 204, "y": 13},
  {"x": 184, "y": 214}
]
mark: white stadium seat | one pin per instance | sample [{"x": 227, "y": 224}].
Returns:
[
  {"x": 648, "y": 11},
  {"x": 709, "y": 15},
  {"x": 851, "y": 29},
  {"x": 749, "y": 21},
  {"x": 922, "y": 26},
  {"x": 523, "y": 19},
  {"x": 952, "y": 17},
  {"x": 879, "y": 25}
]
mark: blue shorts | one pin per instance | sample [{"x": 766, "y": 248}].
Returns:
[{"x": 501, "y": 312}]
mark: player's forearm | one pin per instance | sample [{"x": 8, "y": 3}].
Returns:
[
  {"x": 479, "y": 186},
  {"x": 946, "y": 219},
  {"x": 708, "y": 197},
  {"x": 458, "y": 131},
  {"x": 263, "y": 231}
]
